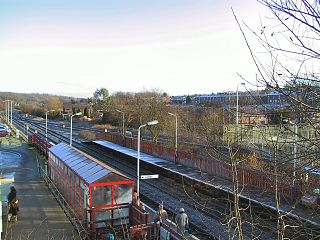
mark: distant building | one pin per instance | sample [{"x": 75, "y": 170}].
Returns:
[
  {"x": 166, "y": 99},
  {"x": 258, "y": 119},
  {"x": 276, "y": 99},
  {"x": 178, "y": 99},
  {"x": 67, "y": 110},
  {"x": 85, "y": 108},
  {"x": 268, "y": 99},
  {"x": 222, "y": 98}
]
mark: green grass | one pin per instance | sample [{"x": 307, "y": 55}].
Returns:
[{"x": 10, "y": 141}]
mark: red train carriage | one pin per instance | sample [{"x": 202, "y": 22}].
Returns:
[{"x": 99, "y": 195}]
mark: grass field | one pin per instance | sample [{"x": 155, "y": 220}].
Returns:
[{"x": 10, "y": 141}]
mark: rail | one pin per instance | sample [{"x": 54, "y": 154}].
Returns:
[{"x": 62, "y": 139}]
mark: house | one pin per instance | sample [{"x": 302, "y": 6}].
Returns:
[
  {"x": 254, "y": 119},
  {"x": 85, "y": 108}
]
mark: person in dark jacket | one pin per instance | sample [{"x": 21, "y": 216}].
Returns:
[
  {"x": 13, "y": 204},
  {"x": 12, "y": 194}
]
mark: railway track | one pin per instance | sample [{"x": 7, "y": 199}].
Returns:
[
  {"x": 201, "y": 214},
  {"x": 208, "y": 210},
  {"x": 151, "y": 191},
  {"x": 223, "y": 151}
]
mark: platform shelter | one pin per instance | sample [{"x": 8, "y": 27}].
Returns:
[{"x": 99, "y": 195}]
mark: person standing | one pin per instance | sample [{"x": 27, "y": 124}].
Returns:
[
  {"x": 12, "y": 194},
  {"x": 159, "y": 218},
  {"x": 182, "y": 221},
  {"x": 13, "y": 204},
  {"x": 161, "y": 215}
]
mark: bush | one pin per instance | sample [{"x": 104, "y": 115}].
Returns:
[
  {"x": 87, "y": 135},
  {"x": 103, "y": 126}
]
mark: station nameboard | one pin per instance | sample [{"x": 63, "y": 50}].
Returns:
[{"x": 149, "y": 176}]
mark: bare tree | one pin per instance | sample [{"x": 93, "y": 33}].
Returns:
[
  {"x": 287, "y": 61},
  {"x": 149, "y": 106}
]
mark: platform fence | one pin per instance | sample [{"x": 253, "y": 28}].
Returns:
[
  {"x": 247, "y": 176},
  {"x": 82, "y": 232}
]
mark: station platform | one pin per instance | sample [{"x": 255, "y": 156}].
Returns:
[
  {"x": 264, "y": 199},
  {"x": 40, "y": 216}
]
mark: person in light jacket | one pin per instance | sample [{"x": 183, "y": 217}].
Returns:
[
  {"x": 159, "y": 219},
  {"x": 161, "y": 215},
  {"x": 182, "y": 221}
]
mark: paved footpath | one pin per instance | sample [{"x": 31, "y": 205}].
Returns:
[{"x": 40, "y": 216}]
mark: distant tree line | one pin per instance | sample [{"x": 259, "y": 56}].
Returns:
[{"x": 38, "y": 104}]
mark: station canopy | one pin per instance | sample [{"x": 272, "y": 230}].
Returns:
[{"x": 86, "y": 167}]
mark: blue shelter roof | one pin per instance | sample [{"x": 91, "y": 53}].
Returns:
[{"x": 84, "y": 165}]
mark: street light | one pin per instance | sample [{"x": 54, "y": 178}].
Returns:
[
  {"x": 77, "y": 114},
  {"x": 6, "y": 109},
  {"x": 7, "y": 106},
  {"x": 293, "y": 190},
  {"x": 176, "y": 145},
  {"x": 27, "y": 133},
  {"x": 47, "y": 123},
  {"x": 122, "y": 124},
  {"x": 11, "y": 115},
  {"x": 237, "y": 106},
  {"x": 154, "y": 122},
  {"x": 294, "y": 144}
]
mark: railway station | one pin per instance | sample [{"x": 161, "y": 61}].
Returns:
[
  {"x": 99, "y": 199},
  {"x": 160, "y": 120},
  {"x": 178, "y": 171},
  {"x": 88, "y": 199}
]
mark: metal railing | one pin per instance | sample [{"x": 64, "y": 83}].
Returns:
[{"x": 83, "y": 233}]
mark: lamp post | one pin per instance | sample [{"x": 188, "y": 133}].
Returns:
[
  {"x": 7, "y": 102},
  {"x": 47, "y": 123},
  {"x": 122, "y": 125},
  {"x": 154, "y": 122},
  {"x": 295, "y": 149},
  {"x": 176, "y": 144},
  {"x": 77, "y": 114},
  {"x": 293, "y": 190},
  {"x": 27, "y": 133},
  {"x": 293, "y": 187},
  {"x": 237, "y": 110},
  {"x": 237, "y": 106},
  {"x": 6, "y": 109},
  {"x": 11, "y": 115}
]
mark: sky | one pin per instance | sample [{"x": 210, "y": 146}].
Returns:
[{"x": 74, "y": 47}]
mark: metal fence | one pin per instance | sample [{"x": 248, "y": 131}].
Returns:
[
  {"x": 82, "y": 232},
  {"x": 247, "y": 176}
]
